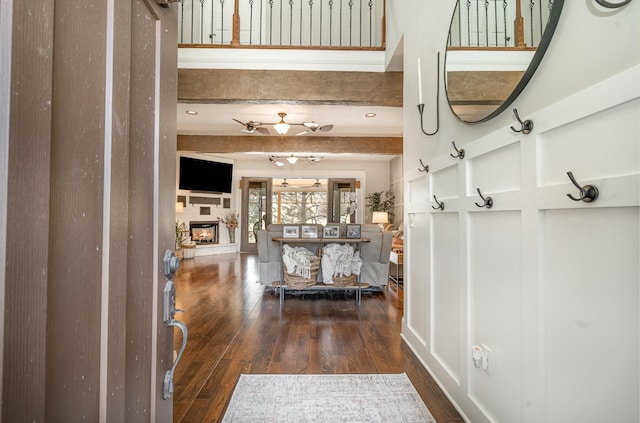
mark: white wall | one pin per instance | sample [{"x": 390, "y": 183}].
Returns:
[
  {"x": 549, "y": 284},
  {"x": 589, "y": 45}
]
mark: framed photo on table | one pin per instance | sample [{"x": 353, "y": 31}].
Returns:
[
  {"x": 331, "y": 231},
  {"x": 353, "y": 230},
  {"x": 309, "y": 231},
  {"x": 290, "y": 232}
]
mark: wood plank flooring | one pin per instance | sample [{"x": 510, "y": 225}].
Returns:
[{"x": 236, "y": 326}]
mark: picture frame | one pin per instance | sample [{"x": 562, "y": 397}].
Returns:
[
  {"x": 309, "y": 231},
  {"x": 331, "y": 231},
  {"x": 290, "y": 231},
  {"x": 353, "y": 230}
]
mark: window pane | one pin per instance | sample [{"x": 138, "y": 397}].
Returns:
[{"x": 300, "y": 207}]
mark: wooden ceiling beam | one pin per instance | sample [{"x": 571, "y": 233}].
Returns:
[
  {"x": 285, "y": 86},
  {"x": 276, "y": 144}
]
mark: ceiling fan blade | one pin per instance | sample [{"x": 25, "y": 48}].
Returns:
[
  {"x": 263, "y": 131},
  {"x": 326, "y": 128},
  {"x": 240, "y": 122},
  {"x": 302, "y": 133}
]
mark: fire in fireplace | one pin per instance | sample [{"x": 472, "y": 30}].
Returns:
[{"x": 204, "y": 232}]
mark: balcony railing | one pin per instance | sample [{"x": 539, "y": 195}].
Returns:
[
  {"x": 499, "y": 23},
  {"x": 283, "y": 23}
]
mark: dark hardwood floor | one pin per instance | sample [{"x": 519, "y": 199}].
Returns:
[{"x": 236, "y": 326}]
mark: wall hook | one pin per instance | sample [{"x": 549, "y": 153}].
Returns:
[
  {"x": 610, "y": 5},
  {"x": 421, "y": 105},
  {"x": 525, "y": 127},
  {"x": 423, "y": 167},
  {"x": 488, "y": 202},
  {"x": 460, "y": 154},
  {"x": 440, "y": 204},
  {"x": 588, "y": 193}
]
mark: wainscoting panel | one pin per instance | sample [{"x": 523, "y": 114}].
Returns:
[
  {"x": 591, "y": 307},
  {"x": 417, "y": 277},
  {"x": 548, "y": 286},
  {"x": 446, "y": 320},
  {"x": 602, "y": 145},
  {"x": 496, "y": 171},
  {"x": 417, "y": 189},
  {"x": 495, "y": 311},
  {"x": 444, "y": 183}
]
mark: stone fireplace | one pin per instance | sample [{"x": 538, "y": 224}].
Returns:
[{"x": 204, "y": 233}]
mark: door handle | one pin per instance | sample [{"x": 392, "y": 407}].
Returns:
[{"x": 168, "y": 376}]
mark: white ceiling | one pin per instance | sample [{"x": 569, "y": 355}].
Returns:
[{"x": 347, "y": 121}]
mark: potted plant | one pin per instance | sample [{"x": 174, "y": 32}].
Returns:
[
  {"x": 231, "y": 222},
  {"x": 381, "y": 201},
  {"x": 182, "y": 234}
]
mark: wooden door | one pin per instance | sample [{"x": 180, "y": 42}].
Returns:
[
  {"x": 89, "y": 98},
  {"x": 152, "y": 161}
]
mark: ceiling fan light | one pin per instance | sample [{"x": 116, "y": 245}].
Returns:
[
  {"x": 292, "y": 160},
  {"x": 281, "y": 128}
]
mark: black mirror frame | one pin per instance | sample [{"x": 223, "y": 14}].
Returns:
[{"x": 550, "y": 29}]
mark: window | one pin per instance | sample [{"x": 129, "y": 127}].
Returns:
[{"x": 299, "y": 207}]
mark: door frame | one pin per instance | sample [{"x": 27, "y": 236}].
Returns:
[{"x": 245, "y": 246}]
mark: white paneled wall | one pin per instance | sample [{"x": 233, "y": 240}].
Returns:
[{"x": 547, "y": 286}]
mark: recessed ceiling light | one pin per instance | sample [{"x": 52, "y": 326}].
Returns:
[
  {"x": 191, "y": 112},
  {"x": 370, "y": 115}
]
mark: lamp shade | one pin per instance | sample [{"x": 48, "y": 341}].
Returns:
[
  {"x": 380, "y": 217},
  {"x": 292, "y": 159},
  {"x": 281, "y": 128}
]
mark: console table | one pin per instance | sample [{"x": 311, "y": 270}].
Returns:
[{"x": 321, "y": 241}]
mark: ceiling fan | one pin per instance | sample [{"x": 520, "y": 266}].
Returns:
[
  {"x": 313, "y": 127},
  {"x": 252, "y": 126},
  {"x": 292, "y": 160},
  {"x": 282, "y": 127},
  {"x": 298, "y": 184}
]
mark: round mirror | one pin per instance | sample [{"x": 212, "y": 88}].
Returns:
[{"x": 493, "y": 49}]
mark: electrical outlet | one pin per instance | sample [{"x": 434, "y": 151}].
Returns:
[{"x": 481, "y": 356}]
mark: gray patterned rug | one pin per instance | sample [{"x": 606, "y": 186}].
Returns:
[{"x": 326, "y": 398}]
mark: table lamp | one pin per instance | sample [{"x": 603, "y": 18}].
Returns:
[{"x": 380, "y": 218}]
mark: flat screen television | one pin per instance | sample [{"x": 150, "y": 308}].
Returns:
[{"x": 205, "y": 175}]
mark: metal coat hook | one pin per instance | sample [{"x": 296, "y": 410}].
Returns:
[
  {"x": 423, "y": 167},
  {"x": 610, "y": 5},
  {"x": 421, "y": 105},
  {"x": 440, "y": 204},
  {"x": 525, "y": 127},
  {"x": 488, "y": 202},
  {"x": 460, "y": 152},
  {"x": 588, "y": 193}
]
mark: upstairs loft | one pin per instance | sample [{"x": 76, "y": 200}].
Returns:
[{"x": 226, "y": 46}]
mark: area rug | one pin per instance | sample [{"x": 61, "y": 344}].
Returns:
[{"x": 326, "y": 398}]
